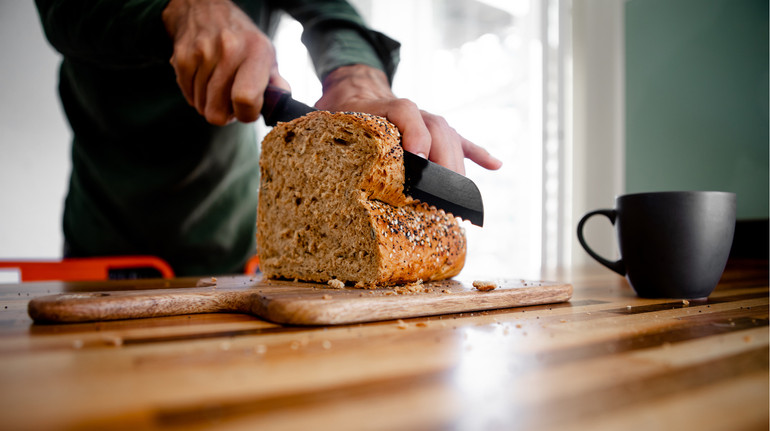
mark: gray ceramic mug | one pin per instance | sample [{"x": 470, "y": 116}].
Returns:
[{"x": 672, "y": 244}]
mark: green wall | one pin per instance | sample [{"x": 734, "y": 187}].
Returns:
[{"x": 697, "y": 98}]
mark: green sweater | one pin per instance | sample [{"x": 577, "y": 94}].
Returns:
[{"x": 149, "y": 175}]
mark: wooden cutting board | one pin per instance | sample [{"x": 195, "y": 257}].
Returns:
[{"x": 295, "y": 302}]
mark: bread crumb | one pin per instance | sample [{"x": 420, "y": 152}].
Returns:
[
  {"x": 628, "y": 307},
  {"x": 484, "y": 286},
  {"x": 214, "y": 279},
  {"x": 685, "y": 302},
  {"x": 401, "y": 324},
  {"x": 421, "y": 324},
  {"x": 336, "y": 284},
  {"x": 518, "y": 325},
  {"x": 326, "y": 297},
  {"x": 362, "y": 285},
  {"x": 415, "y": 287}
]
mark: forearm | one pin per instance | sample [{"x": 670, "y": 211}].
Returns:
[
  {"x": 336, "y": 35},
  {"x": 357, "y": 81}
]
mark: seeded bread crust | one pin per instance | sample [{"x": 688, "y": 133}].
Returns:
[{"x": 332, "y": 206}]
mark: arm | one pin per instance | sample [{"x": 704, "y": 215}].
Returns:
[
  {"x": 357, "y": 65},
  {"x": 336, "y": 35},
  {"x": 223, "y": 62}
]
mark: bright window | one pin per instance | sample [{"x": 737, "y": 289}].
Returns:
[{"x": 480, "y": 65}]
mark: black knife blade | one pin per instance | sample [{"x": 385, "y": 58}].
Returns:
[{"x": 426, "y": 181}]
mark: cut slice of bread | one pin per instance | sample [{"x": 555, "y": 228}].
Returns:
[{"x": 332, "y": 206}]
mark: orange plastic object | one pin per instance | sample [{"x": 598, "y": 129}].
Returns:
[
  {"x": 252, "y": 265},
  {"x": 88, "y": 268}
]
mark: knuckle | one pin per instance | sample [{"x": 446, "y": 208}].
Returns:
[
  {"x": 257, "y": 45},
  {"x": 404, "y": 104},
  {"x": 229, "y": 43},
  {"x": 199, "y": 50},
  {"x": 182, "y": 56},
  {"x": 438, "y": 121},
  {"x": 443, "y": 123}
]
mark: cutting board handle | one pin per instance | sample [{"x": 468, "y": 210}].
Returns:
[{"x": 89, "y": 307}]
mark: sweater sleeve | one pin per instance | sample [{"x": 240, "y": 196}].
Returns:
[
  {"x": 107, "y": 32},
  {"x": 336, "y": 35}
]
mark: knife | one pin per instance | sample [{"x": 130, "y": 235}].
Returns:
[{"x": 424, "y": 180}]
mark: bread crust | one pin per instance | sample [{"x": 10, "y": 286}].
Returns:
[{"x": 332, "y": 206}]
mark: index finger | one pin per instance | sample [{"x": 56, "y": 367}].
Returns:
[
  {"x": 480, "y": 156},
  {"x": 415, "y": 136},
  {"x": 247, "y": 90}
]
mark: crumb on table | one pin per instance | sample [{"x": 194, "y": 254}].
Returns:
[
  {"x": 414, "y": 287},
  {"x": 336, "y": 284},
  {"x": 485, "y": 286}
]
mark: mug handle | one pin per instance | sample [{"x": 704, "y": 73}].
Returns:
[{"x": 617, "y": 266}]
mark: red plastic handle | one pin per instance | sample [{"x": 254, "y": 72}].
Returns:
[{"x": 85, "y": 268}]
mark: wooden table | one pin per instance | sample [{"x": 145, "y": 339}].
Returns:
[{"x": 606, "y": 360}]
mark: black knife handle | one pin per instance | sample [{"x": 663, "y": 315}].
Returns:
[{"x": 279, "y": 106}]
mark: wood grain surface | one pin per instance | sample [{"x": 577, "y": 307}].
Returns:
[
  {"x": 296, "y": 302},
  {"x": 605, "y": 360}
]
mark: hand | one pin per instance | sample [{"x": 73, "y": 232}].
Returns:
[
  {"x": 223, "y": 62},
  {"x": 365, "y": 89}
]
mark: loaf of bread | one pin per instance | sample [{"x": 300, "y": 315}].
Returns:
[{"x": 332, "y": 207}]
